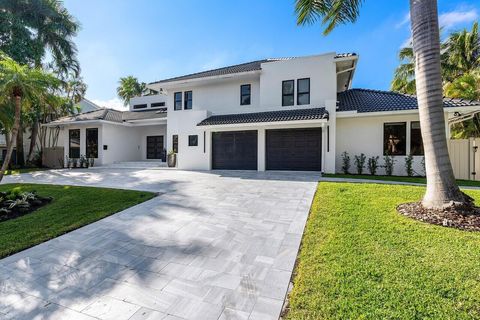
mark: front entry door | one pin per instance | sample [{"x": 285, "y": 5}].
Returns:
[{"x": 155, "y": 147}]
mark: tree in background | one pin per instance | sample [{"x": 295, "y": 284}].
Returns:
[
  {"x": 129, "y": 87},
  {"x": 23, "y": 86},
  {"x": 29, "y": 29},
  {"x": 442, "y": 189}
]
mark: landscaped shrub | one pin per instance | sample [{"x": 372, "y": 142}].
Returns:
[
  {"x": 360, "y": 162},
  {"x": 409, "y": 165},
  {"x": 15, "y": 203},
  {"x": 345, "y": 162},
  {"x": 389, "y": 163},
  {"x": 373, "y": 165}
]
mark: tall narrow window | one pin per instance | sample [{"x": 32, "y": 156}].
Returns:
[
  {"x": 178, "y": 101},
  {"x": 74, "y": 143},
  {"x": 394, "y": 138},
  {"x": 92, "y": 143},
  {"x": 175, "y": 143},
  {"x": 188, "y": 100},
  {"x": 245, "y": 92},
  {"x": 416, "y": 142},
  {"x": 288, "y": 92},
  {"x": 303, "y": 91}
]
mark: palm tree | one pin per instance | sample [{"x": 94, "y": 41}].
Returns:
[
  {"x": 31, "y": 27},
  {"x": 24, "y": 86},
  {"x": 442, "y": 189},
  {"x": 129, "y": 87}
]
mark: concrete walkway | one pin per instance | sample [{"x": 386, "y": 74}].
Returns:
[{"x": 218, "y": 245}]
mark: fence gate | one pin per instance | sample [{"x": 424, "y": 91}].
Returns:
[{"x": 465, "y": 158}]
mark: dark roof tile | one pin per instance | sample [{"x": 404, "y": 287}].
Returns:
[
  {"x": 268, "y": 116},
  {"x": 367, "y": 100}
]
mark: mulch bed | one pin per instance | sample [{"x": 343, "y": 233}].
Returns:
[
  {"x": 8, "y": 213},
  {"x": 460, "y": 217}
]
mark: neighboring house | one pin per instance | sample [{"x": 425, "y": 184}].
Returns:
[{"x": 273, "y": 114}]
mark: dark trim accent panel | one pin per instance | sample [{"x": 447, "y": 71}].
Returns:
[
  {"x": 193, "y": 140},
  {"x": 157, "y": 104},
  {"x": 328, "y": 138},
  {"x": 74, "y": 143},
  {"x": 91, "y": 138},
  {"x": 204, "y": 142},
  {"x": 175, "y": 143},
  {"x": 177, "y": 101},
  {"x": 139, "y": 106},
  {"x": 188, "y": 101},
  {"x": 303, "y": 91},
  {"x": 288, "y": 93},
  {"x": 245, "y": 94}
]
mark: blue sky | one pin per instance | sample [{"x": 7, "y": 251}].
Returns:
[{"x": 154, "y": 39}]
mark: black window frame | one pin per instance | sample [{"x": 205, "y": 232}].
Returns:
[
  {"x": 249, "y": 94},
  {"x": 417, "y": 149},
  {"x": 401, "y": 143},
  {"x": 70, "y": 153},
  {"x": 140, "y": 106},
  {"x": 188, "y": 101},
  {"x": 88, "y": 152},
  {"x": 303, "y": 92},
  {"x": 177, "y": 103},
  {"x": 175, "y": 143},
  {"x": 193, "y": 140},
  {"x": 157, "y": 105},
  {"x": 292, "y": 95}
]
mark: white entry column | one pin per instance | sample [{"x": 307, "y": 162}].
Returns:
[{"x": 261, "y": 149}]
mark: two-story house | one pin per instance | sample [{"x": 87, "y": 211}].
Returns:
[{"x": 273, "y": 114}]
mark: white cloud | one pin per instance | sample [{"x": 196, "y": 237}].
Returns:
[
  {"x": 114, "y": 103},
  {"x": 447, "y": 20},
  {"x": 451, "y": 19}
]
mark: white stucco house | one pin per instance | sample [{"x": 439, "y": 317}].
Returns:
[{"x": 273, "y": 114}]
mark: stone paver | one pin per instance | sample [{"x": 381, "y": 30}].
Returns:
[{"x": 212, "y": 245}]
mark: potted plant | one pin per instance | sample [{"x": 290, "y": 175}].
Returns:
[
  {"x": 92, "y": 161},
  {"x": 74, "y": 162},
  {"x": 172, "y": 159},
  {"x": 68, "y": 162}
]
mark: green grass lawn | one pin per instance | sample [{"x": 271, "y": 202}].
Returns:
[
  {"x": 71, "y": 208},
  {"x": 465, "y": 183},
  {"x": 360, "y": 259}
]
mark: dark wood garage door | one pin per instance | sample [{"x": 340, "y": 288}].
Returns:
[
  {"x": 294, "y": 149},
  {"x": 234, "y": 150}
]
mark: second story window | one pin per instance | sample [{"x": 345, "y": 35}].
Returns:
[
  {"x": 157, "y": 104},
  {"x": 288, "y": 89},
  {"x": 139, "y": 106},
  {"x": 245, "y": 91},
  {"x": 303, "y": 91},
  {"x": 188, "y": 100},
  {"x": 177, "y": 96}
]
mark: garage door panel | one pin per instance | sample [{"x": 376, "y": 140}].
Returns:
[
  {"x": 236, "y": 150},
  {"x": 294, "y": 149}
]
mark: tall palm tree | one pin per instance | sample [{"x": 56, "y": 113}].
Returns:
[
  {"x": 129, "y": 87},
  {"x": 442, "y": 189},
  {"x": 31, "y": 27},
  {"x": 24, "y": 86}
]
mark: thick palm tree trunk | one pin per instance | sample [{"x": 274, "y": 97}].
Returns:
[
  {"x": 33, "y": 140},
  {"x": 442, "y": 189},
  {"x": 13, "y": 136},
  {"x": 20, "y": 149}
]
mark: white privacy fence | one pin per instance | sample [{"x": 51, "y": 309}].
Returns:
[{"x": 465, "y": 158}]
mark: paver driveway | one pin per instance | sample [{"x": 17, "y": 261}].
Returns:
[{"x": 218, "y": 245}]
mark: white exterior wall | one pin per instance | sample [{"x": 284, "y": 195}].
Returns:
[
  {"x": 147, "y": 100},
  {"x": 222, "y": 96},
  {"x": 320, "y": 69},
  {"x": 123, "y": 143},
  {"x": 143, "y": 132},
  {"x": 364, "y": 134}
]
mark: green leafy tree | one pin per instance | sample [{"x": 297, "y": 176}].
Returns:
[
  {"x": 442, "y": 189},
  {"x": 129, "y": 87},
  {"x": 23, "y": 86},
  {"x": 31, "y": 28}
]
